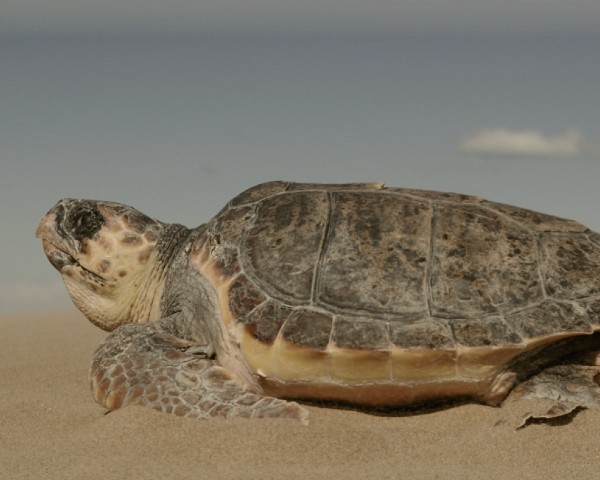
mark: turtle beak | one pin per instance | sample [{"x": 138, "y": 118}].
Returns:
[
  {"x": 50, "y": 226},
  {"x": 45, "y": 225},
  {"x": 46, "y": 231}
]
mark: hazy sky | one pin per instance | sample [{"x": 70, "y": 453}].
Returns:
[
  {"x": 177, "y": 125},
  {"x": 285, "y": 16}
]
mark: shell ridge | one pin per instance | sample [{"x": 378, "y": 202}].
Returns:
[
  {"x": 541, "y": 260},
  {"x": 322, "y": 248},
  {"x": 593, "y": 236},
  {"x": 244, "y": 237},
  {"x": 428, "y": 270}
]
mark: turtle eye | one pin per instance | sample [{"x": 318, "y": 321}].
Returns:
[{"x": 84, "y": 221}]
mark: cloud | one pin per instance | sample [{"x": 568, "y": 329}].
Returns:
[
  {"x": 29, "y": 296},
  {"x": 501, "y": 142}
]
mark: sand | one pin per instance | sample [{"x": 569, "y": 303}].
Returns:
[{"x": 52, "y": 428}]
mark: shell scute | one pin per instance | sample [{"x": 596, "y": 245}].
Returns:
[
  {"x": 571, "y": 265},
  {"x": 549, "y": 318},
  {"x": 225, "y": 260},
  {"x": 360, "y": 334},
  {"x": 482, "y": 264},
  {"x": 440, "y": 196},
  {"x": 337, "y": 187},
  {"x": 232, "y": 224},
  {"x": 309, "y": 329},
  {"x": 375, "y": 257},
  {"x": 258, "y": 192},
  {"x": 537, "y": 221},
  {"x": 432, "y": 334},
  {"x": 592, "y": 308},
  {"x": 265, "y": 321},
  {"x": 491, "y": 331},
  {"x": 365, "y": 267},
  {"x": 244, "y": 296},
  {"x": 282, "y": 248}
]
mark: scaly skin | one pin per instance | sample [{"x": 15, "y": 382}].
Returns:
[{"x": 142, "y": 364}]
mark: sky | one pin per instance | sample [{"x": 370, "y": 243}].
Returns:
[
  {"x": 175, "y": 111},
  {"x": 302, "y": 17}
]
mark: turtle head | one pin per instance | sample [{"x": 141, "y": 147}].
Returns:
[{"x": 107, "y": 255}]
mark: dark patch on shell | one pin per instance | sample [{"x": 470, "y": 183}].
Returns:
[
  {"x": 265, "y": 321},
  {"x": 308, "y": 329},
  {"x": 431, "y": 334},
  {"x": 226, "y": 260},
  {"x": 232, "y": 224},
  {"x": 571, "y": 265},
  {"x": 548, "y": 318},
  {"x": 360, "y": 334},
  {"x": 244, "y": 296},
  {"x": 483, "y": 332}
]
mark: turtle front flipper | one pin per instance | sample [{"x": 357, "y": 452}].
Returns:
[{"x": 141, "y": 364}]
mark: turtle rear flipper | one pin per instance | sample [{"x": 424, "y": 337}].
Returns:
[
  {"x": 558, "y": 393},
  {"x": 141, "y": 364}
]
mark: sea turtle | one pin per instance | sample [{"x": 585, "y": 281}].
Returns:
[{"x": 353, "y": 293}]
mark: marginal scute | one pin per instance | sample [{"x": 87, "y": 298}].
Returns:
[
  {"x": 282, "y": 248},
  {"x": 258, "y": 192},
  {"x": 440, "y": 196},
  {"x": 244, "y": 296},
  {"x": 308, "y": 328},
  {"x": 265, "y": 321},
  {"x": 490, "y": 331},
  {"x": 226, "y": 260},
  {"x": 338, "y": 187},
  {"x": 430, "y": 334},
  {"x": 376, "y": 254},
  {"x": 592, "y": 308},
  {"x": 549, "y": 318},
  {"x": 482, "y": 263},
  {"x": 360, "y": 334},
  {"x": 571, "y": 264},
  {"x": 594, "y": 237},
  {"x": 537, "y": 221},
  {"x": 231, "y": 224}
]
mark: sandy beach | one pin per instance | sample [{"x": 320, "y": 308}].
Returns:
[{"x": 52, "y": 428}]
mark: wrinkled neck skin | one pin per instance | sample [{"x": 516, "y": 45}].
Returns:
[
  {"x": 170, "y": 246},
  {"x": 189, "y": 310},
  {"x": 189, "y": 300}
]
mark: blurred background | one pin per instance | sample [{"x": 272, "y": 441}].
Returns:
[{"x": 175, "y": 107}]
